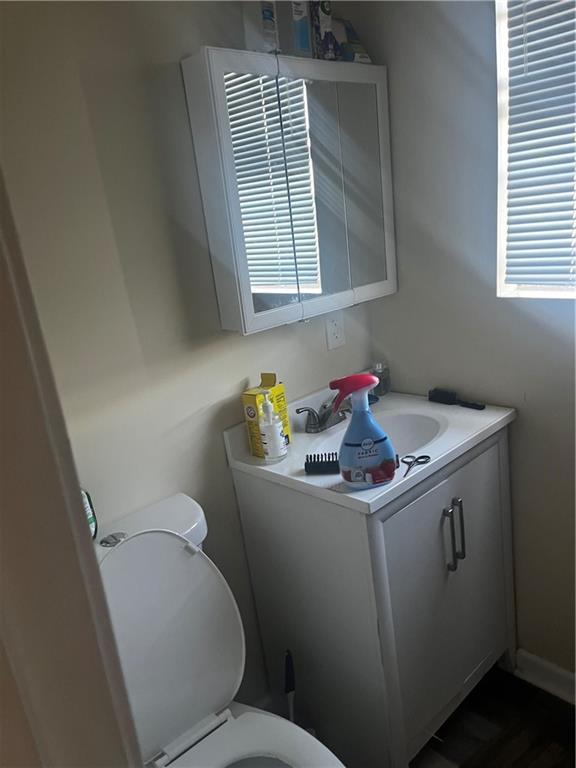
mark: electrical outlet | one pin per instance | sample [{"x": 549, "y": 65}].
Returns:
[{"x": 335, "y": 330}]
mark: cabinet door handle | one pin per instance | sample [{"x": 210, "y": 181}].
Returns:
[
  {"x": 449, "y": 513},
  {"x": 458, "y": 503}
]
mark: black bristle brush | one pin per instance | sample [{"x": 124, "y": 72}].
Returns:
[{"x": 322, "y": 464}]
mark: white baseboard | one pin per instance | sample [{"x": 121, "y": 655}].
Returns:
[{"x": 543, "y": 674}]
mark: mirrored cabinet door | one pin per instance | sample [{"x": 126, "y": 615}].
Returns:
[
  {"x": 362, "y": 173},
  {"x": 293, "y": 161},
  {"x": 268, "y": 142},
  {"x": 326, "y": 164}
]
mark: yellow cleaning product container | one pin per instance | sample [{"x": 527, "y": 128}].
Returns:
[{"x": 252, "y": 400}]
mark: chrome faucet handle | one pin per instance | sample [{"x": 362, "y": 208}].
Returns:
[
  {"x": 312, "y": 421},
  {"x": 328, "y": 405},
  {"x": 328, "y": 417}
]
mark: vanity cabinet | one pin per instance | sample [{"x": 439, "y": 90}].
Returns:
[
  {"x": 392, "y": 617},
  {"x": 444, "y": 561},
  {"x": 293, "y": 158}
]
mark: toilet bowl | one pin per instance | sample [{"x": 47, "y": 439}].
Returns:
[{"x": 182, "y": 650}]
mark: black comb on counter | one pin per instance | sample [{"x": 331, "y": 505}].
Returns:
[{"x": 322, "y": 464}]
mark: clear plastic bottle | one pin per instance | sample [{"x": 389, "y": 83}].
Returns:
[
  {"x": 382, "y": 372},
  {"x": 272, "y": 432}
]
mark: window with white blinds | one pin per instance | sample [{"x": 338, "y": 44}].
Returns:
[
  {"x": 537, "y": 149},
  {"x": 268, "y": 119}
]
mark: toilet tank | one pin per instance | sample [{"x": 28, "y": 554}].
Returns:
[{"x": 178, "y": 513}]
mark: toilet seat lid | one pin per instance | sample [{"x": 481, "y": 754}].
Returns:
[{"x": 178, "y": 632}]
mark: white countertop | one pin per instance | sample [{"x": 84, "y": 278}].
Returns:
[{"x": 457, "y": 431}]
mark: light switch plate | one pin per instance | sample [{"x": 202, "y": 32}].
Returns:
[{"x": 335, "y": 330}]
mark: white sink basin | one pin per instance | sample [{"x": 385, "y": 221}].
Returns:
[{"x": 409, "y": 432}]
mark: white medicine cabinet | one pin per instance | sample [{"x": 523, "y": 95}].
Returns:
[{"x": 293, "y": 156}]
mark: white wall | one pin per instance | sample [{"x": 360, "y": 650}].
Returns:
[
  {"x": 445, "y": 326},
  {"x": 17, "y": 746},
  {"x": 101, "y": 174},
  {"x": 62, "y": 697}
]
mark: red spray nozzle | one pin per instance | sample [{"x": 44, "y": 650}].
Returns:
[{"x": 350, "y": 384}]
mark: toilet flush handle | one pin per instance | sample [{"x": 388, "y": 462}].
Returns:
[{"x": 113, "y": 539}]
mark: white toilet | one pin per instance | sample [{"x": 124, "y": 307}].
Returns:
[{"x": 181, "y": 646}]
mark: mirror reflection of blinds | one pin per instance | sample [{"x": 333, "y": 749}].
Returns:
[
  {"x": 541, "y": 163},
  {"x": 271, "y": 147}
]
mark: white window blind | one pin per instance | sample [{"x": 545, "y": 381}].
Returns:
[
  {"x": 537, "y": 149},
  {"x": 270, "y": 142}
]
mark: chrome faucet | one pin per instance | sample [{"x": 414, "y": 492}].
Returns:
[{"x": 325, "y": 417}]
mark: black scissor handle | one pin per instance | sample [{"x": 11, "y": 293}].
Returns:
[{"x": 410, "y": 460}]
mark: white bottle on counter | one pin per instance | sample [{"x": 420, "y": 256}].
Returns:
[{"x": 272, "y": 432}]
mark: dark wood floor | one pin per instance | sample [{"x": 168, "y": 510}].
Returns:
[{"x": 504, "y": 723}]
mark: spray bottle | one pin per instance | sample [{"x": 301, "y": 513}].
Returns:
[{"x": 367, "y": 457}]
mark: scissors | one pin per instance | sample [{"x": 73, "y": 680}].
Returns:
[{"x": 411, "y": 460}]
